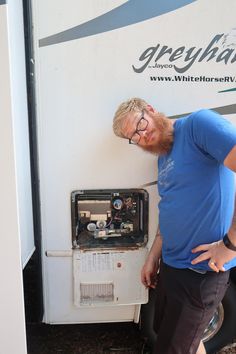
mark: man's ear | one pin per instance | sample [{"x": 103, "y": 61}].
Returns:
[{"x": 150, "y": 108}]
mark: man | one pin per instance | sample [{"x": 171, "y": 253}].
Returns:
[{"x": 195, "y": 245}]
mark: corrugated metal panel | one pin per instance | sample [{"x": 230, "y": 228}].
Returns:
[{"x": 96, "y": 292}]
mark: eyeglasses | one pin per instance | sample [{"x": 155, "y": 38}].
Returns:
[{"x": 140, "y": 127}]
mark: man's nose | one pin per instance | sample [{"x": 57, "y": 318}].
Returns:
[{"x": 144, "y": 133}]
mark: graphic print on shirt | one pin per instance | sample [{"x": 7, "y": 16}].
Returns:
[{"x": 164, "y": 172}]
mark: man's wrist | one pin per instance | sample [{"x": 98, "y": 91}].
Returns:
[{"x": 228, "y": 243}]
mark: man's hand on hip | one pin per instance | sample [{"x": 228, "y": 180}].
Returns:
[{"x": 217, "y": 253}]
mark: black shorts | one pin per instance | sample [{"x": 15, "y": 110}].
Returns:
[{"x": 185, "y": 303}]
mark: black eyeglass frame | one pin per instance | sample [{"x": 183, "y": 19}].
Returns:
[{"x": 137, "y": 130}]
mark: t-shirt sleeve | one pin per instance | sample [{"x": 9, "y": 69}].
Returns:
[{"x": 213, "y": 134}]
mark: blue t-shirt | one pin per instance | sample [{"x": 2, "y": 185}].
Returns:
[{"x": 197, "y": 191}]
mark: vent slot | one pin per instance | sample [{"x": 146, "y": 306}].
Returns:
[{"x": 93, "y": 293}]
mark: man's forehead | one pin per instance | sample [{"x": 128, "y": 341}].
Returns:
[{"x": 130, "y": 121}]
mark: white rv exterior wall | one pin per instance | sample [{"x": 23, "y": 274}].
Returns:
[
  {"x": 20, "y": 127},
  {"x": 83, "y": 73},
  {"x": 16, "y": 223}
]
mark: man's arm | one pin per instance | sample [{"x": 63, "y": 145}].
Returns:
[
  {"x": 217, "y": 252},
  {"x": 151, "y": 266},
  {"x": 230, "y": 160}
]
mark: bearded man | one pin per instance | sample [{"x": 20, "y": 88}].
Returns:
[{"x": 195, "y": 245}]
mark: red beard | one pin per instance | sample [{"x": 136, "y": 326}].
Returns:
[{"x": 165, "y": 130}]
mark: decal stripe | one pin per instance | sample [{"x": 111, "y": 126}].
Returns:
[
  {"x": 229, "y": 90},
  {"x": 129, "y": 13},
  {"x": 148, "y": 184},
  {"x": 224, "y": 110}
]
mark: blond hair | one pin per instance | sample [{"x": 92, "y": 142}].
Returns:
[{"x": 131, "y": 105}]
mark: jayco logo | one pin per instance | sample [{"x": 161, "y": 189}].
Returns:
[{"x": 224, "y": 53}]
